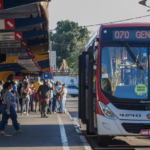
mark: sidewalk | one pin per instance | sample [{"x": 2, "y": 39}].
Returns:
[{"x": 56, "y": 133}]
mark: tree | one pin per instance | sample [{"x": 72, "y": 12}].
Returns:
[
  {"x": 68, "y": 42},
  {"x": 73, "y": 59}
]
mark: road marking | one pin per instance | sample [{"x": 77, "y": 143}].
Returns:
[
  {"x": 77, "y": 125},
  {"x": 63, "y": 134},
  {"x": 78, "y": 131},
  {"x": 76, "y": 120},
  {"x": 84, "y": 141}
]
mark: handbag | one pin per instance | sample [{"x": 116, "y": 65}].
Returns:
[{"x": 58, "y": 98}]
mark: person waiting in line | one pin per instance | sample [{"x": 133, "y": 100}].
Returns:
[
  {"x": 25, "y": 94},
  {"x": 15, "y": 86},
  {"x": 1, "y": 88},
  {"x": 31, "y": 97},
  {"x": 37, "y": 96},
  {"x": 16, "y": 94},
  {"x": 25, "y": 79},
  {"x": 45, "y": 97},
  {"x": 19, "y": 92},
  {"x": 8, "y": 109},
  {"x": 58, "y": 89},
  {"x": 54, "y": 99},
  {"x": 50, "y": 83},
  {"x": 63, "y": 96},
  {"x": 1, "y": 85}
]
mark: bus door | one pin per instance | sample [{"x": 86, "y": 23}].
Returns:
[
  {"x": 83, "y": 87},
  {"x": 91, "y": 124}
]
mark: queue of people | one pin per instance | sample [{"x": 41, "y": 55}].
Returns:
[{"x": 20, "y": 97}]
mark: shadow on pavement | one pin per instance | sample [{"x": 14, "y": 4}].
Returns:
[
  {"x": 39, "y": 136},
  {"x": 114, "y": 144}
]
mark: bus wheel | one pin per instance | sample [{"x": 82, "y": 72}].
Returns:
[{"x": 103, "y": 140}]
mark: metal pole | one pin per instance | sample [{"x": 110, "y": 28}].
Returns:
[{"x": 50, "y": 52}]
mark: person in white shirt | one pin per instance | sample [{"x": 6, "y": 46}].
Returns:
[
  {"x": 63, "y": 99},
  {"x": 50, "y": 82}
]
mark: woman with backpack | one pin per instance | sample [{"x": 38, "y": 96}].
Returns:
[{"x": 25, "y": 94}]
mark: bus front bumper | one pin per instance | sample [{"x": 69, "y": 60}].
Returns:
[{"x": 120, "y": 127}]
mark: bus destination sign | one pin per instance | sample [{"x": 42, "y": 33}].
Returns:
[{"x": 131, "y": 35}]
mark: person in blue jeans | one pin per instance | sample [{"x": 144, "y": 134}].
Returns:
[
  {"x": 54, "y": 101},
  {"x": 58, "y": 90},
  {"x": 8, "y": 109},
  {"x": 31, "y": 97},
  {"x": 63, "y": 94}
]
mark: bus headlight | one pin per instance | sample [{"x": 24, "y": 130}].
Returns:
[{"x": 106, "y": 111}]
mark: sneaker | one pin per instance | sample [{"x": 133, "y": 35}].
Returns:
[
  {"x": 24, "y": 112},
  {"x": 27, "y": 114},
  {"x": 2, "y": 133},
  {"x": 45, "y": 116},
  {"x": 19, "y": 131}
]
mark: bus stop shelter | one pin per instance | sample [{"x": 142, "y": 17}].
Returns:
[{"x": 24, "y": 37}]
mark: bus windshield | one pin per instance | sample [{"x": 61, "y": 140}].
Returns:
[{"x": 120, "y": 74}]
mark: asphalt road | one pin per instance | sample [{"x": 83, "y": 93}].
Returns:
[
  {"x": 54, "y": 133},
  {"x": 118, "y": 143}
]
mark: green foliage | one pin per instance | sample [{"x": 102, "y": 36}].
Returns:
[{"x": 68, "y": 42}]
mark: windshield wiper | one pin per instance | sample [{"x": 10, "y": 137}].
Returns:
[{"x": 127, "y": 47}]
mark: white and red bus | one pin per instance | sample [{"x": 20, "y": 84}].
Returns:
[{"x": 114, "y": 79}]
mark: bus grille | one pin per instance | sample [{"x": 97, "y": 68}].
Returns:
[
  {"x": 139, "y": 107},
  {"x": 135, "y": 127}
]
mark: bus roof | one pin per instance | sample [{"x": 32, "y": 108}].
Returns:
[
  {"x": 91, "y": 39},
  {"x": 138, "y": 24}
]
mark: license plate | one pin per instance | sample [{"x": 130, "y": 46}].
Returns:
[{"x": 145, "y": 132}]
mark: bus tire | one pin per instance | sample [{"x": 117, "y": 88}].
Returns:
[{"x": 103, "y": 140}]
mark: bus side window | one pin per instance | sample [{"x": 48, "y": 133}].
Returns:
[
  {"x": 94, "y": 70},
  {"x": 95, "y": 56},
  {"x": 94, "y": 78},
  {"x": 87, "y": 71}
]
